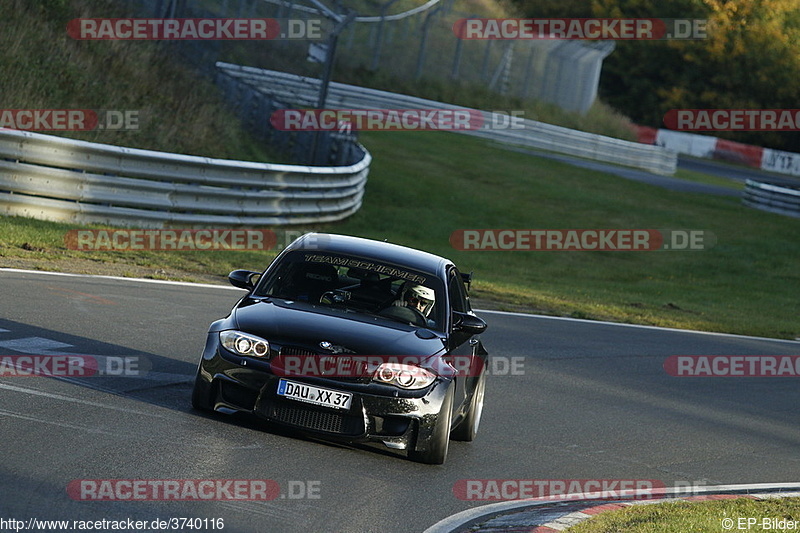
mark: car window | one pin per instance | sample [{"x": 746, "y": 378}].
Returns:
[
  {"x": 458, "y": 293},
  {"x": 355, "y": 283}
]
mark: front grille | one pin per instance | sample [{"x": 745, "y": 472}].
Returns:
[
  {"x": 296, "y": 350},
  {"x": 307, "y": 418}
]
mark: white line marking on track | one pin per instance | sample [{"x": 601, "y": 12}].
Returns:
[
  {"x": 506, "y": 313},
  {"x": 93, "y": 430},
  {"x": 35, "y": 345},
  {"x": 74, "y": 400},
  {"x": 640, "y": 326},
  {"x": 119, "y": 278},
  {"x": 458, "y": 520}
]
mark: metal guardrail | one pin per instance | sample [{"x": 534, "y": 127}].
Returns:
[
  {"x": 303, "y": 92},
  {"x": 773, "y": 197},
  {"x": 53, "y": 178}
]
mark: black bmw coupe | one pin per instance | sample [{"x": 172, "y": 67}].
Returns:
[{"x": 352, "y": 339}]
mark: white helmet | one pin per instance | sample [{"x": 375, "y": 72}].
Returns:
[{"x": 423, "y": 298}]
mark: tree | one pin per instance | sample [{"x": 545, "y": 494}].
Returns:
[{"x": 750, "y": 60}]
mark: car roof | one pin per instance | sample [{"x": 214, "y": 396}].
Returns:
[{"x": 368, "y": 248}]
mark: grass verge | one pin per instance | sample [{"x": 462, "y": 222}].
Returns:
[
  {"x": 425, "y": 185},
  {"x": 700, "y": 517},
  {"x": 422, "y": 187}
]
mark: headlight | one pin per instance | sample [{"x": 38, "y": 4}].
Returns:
[
  {"x": 244, "y": 343},
  {"x": 403, "y": 376}
]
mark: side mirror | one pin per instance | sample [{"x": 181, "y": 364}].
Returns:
[
  {"x": 243, "y": 279},
  {"x": 468, "y": 323}
]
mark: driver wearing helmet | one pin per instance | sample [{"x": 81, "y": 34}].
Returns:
[{"x": 419, "y": 298}]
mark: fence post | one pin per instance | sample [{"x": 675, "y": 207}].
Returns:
[
  {"x": 424, "y": 42},
  {"x": 526, "y": 83},
  {"x": 341, "y": 23},
  {"x": 503, "y": 69},
  {"x": 485, "y": 62},
  {"x": 376, "y": 56},
  {"x": 457, "y": 59}
]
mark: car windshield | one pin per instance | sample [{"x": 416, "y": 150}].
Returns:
[{"x": 359, "y": 284}]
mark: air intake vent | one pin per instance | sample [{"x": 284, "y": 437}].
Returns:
[
  {"x": 296, "y": 350},
  {"x": 304, "y": 417}
]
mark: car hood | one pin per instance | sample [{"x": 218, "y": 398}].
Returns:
[{"x": 298, "y": 324}]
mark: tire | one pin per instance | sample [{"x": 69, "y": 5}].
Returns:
[
  {"x": 467, "y": 430},
  {"x": 440, "y": 439}
]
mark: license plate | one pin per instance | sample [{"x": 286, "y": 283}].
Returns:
[{"x": 316, "y": 395}]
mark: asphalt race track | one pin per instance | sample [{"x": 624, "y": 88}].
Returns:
[{"x": 590, "y": 401}]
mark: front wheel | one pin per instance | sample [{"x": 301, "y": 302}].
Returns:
[
  {"x": 436, "y": 452},
  {"x": 467, "y": 430}
]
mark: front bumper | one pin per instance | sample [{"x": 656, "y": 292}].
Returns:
[{"x": 400, "y": 419}]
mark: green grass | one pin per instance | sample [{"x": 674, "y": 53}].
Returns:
[
  {"x": 700, "y": 517},
  {"x": 425, "y": 185},
  {"x": 422, "y": 187},
  {"x": 38, "y": 244},
  {"x": 178, "y": 111}
]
